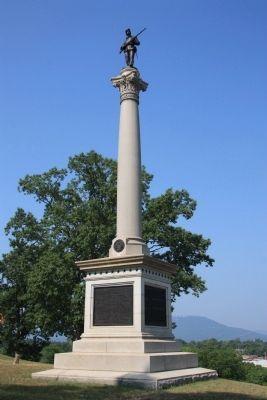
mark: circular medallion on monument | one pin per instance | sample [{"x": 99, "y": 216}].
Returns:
[{"x": 119, "y": 245}]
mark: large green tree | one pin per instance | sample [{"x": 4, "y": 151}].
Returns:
[{"x": 41, "y": 290}]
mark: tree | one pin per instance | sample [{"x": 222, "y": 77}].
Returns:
[
  {"x": 15, "y": 268},
  {"x": 41, "y": 290},
  {"x": 225, "y": 361},
  {"x": 225, "y": 358},
  {"x": 255, "y": 374},
  {"x": 218, "y": 355}
]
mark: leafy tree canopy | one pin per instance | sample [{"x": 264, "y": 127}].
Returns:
[{"x": 41, "y": 290}]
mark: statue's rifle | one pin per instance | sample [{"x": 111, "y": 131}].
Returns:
[{"x": 132, "y": 38}]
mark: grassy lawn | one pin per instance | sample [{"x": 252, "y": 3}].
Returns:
[{"x": 16, "y": 384}]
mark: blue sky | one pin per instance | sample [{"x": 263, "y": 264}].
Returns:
[{"x": 203, "y": 119}]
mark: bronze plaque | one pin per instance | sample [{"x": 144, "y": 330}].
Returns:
[
  {"x": 113, "y": 305},
  {"x": 155, "y": 306}
]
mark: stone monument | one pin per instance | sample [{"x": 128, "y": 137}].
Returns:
[{"x": 127, "y": 335}]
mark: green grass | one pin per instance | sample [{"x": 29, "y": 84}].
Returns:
[{"x": 16, "y": 384}]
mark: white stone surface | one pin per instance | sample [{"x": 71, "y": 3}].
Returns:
[
  {"x": 124, "y": 345},
  {"x": 148, "y": 380},
  {"x": 129, "y": 172},
  {"x": 130, "y": 362},
  {"x": 112, "y": 263},
  {"x": 129, "y": 166},
  {"x": 138, "y": 277},
  {"x": 126, "y": 354}
]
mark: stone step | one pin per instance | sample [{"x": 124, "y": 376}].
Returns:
[
  {"x": 129, "y": 362},
  {"x": 148, "y": 380},
  {"x": 125, "y": 346}
]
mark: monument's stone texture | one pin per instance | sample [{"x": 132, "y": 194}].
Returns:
[
  {"x": 140, "y": 348},
  {"x": 127, "y": 321},
  {"x": 129, "y": 240}
]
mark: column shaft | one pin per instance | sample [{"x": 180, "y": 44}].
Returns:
[
  {"x": 128, "y": 239},
  {"x": 129, "y": 172}
]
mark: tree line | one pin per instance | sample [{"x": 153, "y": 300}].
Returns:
[
  {"x": 226, "y": 358},
  {"x": 41, "y": 291}
]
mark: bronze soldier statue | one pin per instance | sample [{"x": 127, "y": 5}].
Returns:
[{"x": 129, "y": 47}]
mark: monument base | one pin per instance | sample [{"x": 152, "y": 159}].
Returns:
[
  {"x": 154, "y": 380},
  {"x": 146, "y": 363},
  {"x": 127, "y": 335}
]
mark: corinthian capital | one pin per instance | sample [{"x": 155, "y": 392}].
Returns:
[{"x": 129, "y": 84}]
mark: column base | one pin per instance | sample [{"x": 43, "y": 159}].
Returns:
[{"x": 128, "y": 246}]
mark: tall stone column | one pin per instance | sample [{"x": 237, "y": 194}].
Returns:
[
  {"x": 128, "y": 239},
  {"x": 127, "y": 335}
]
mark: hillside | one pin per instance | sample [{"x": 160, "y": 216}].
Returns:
[
  {"x": 201, "y": 328},
  {"x": 16, "y": 384}
]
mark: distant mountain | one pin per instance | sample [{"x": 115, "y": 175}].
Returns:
[
  {"x": 201, "y": 328},
  {"x": 263, "y": 332}
]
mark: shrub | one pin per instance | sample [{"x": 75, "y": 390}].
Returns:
[
  {"x": 224, "y": 357},
  {"x": 28, "y": 349},
  {"x": 255, "y": 374},
  {"x": 227, "y": 362},
  {"x": 48, "y": 352}
]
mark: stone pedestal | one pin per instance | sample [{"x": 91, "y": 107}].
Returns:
[
  {"x": 127, "y": 328},
  {"x": 135, "y": 298}
]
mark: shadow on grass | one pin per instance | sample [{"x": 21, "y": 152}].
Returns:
[
  {"x": 201, "y": 396},
  {"x": 67, "y": 391},
  {"x": 90, "y": 392}
]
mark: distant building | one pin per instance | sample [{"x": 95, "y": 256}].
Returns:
[{"x": 255, "y": 360}]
